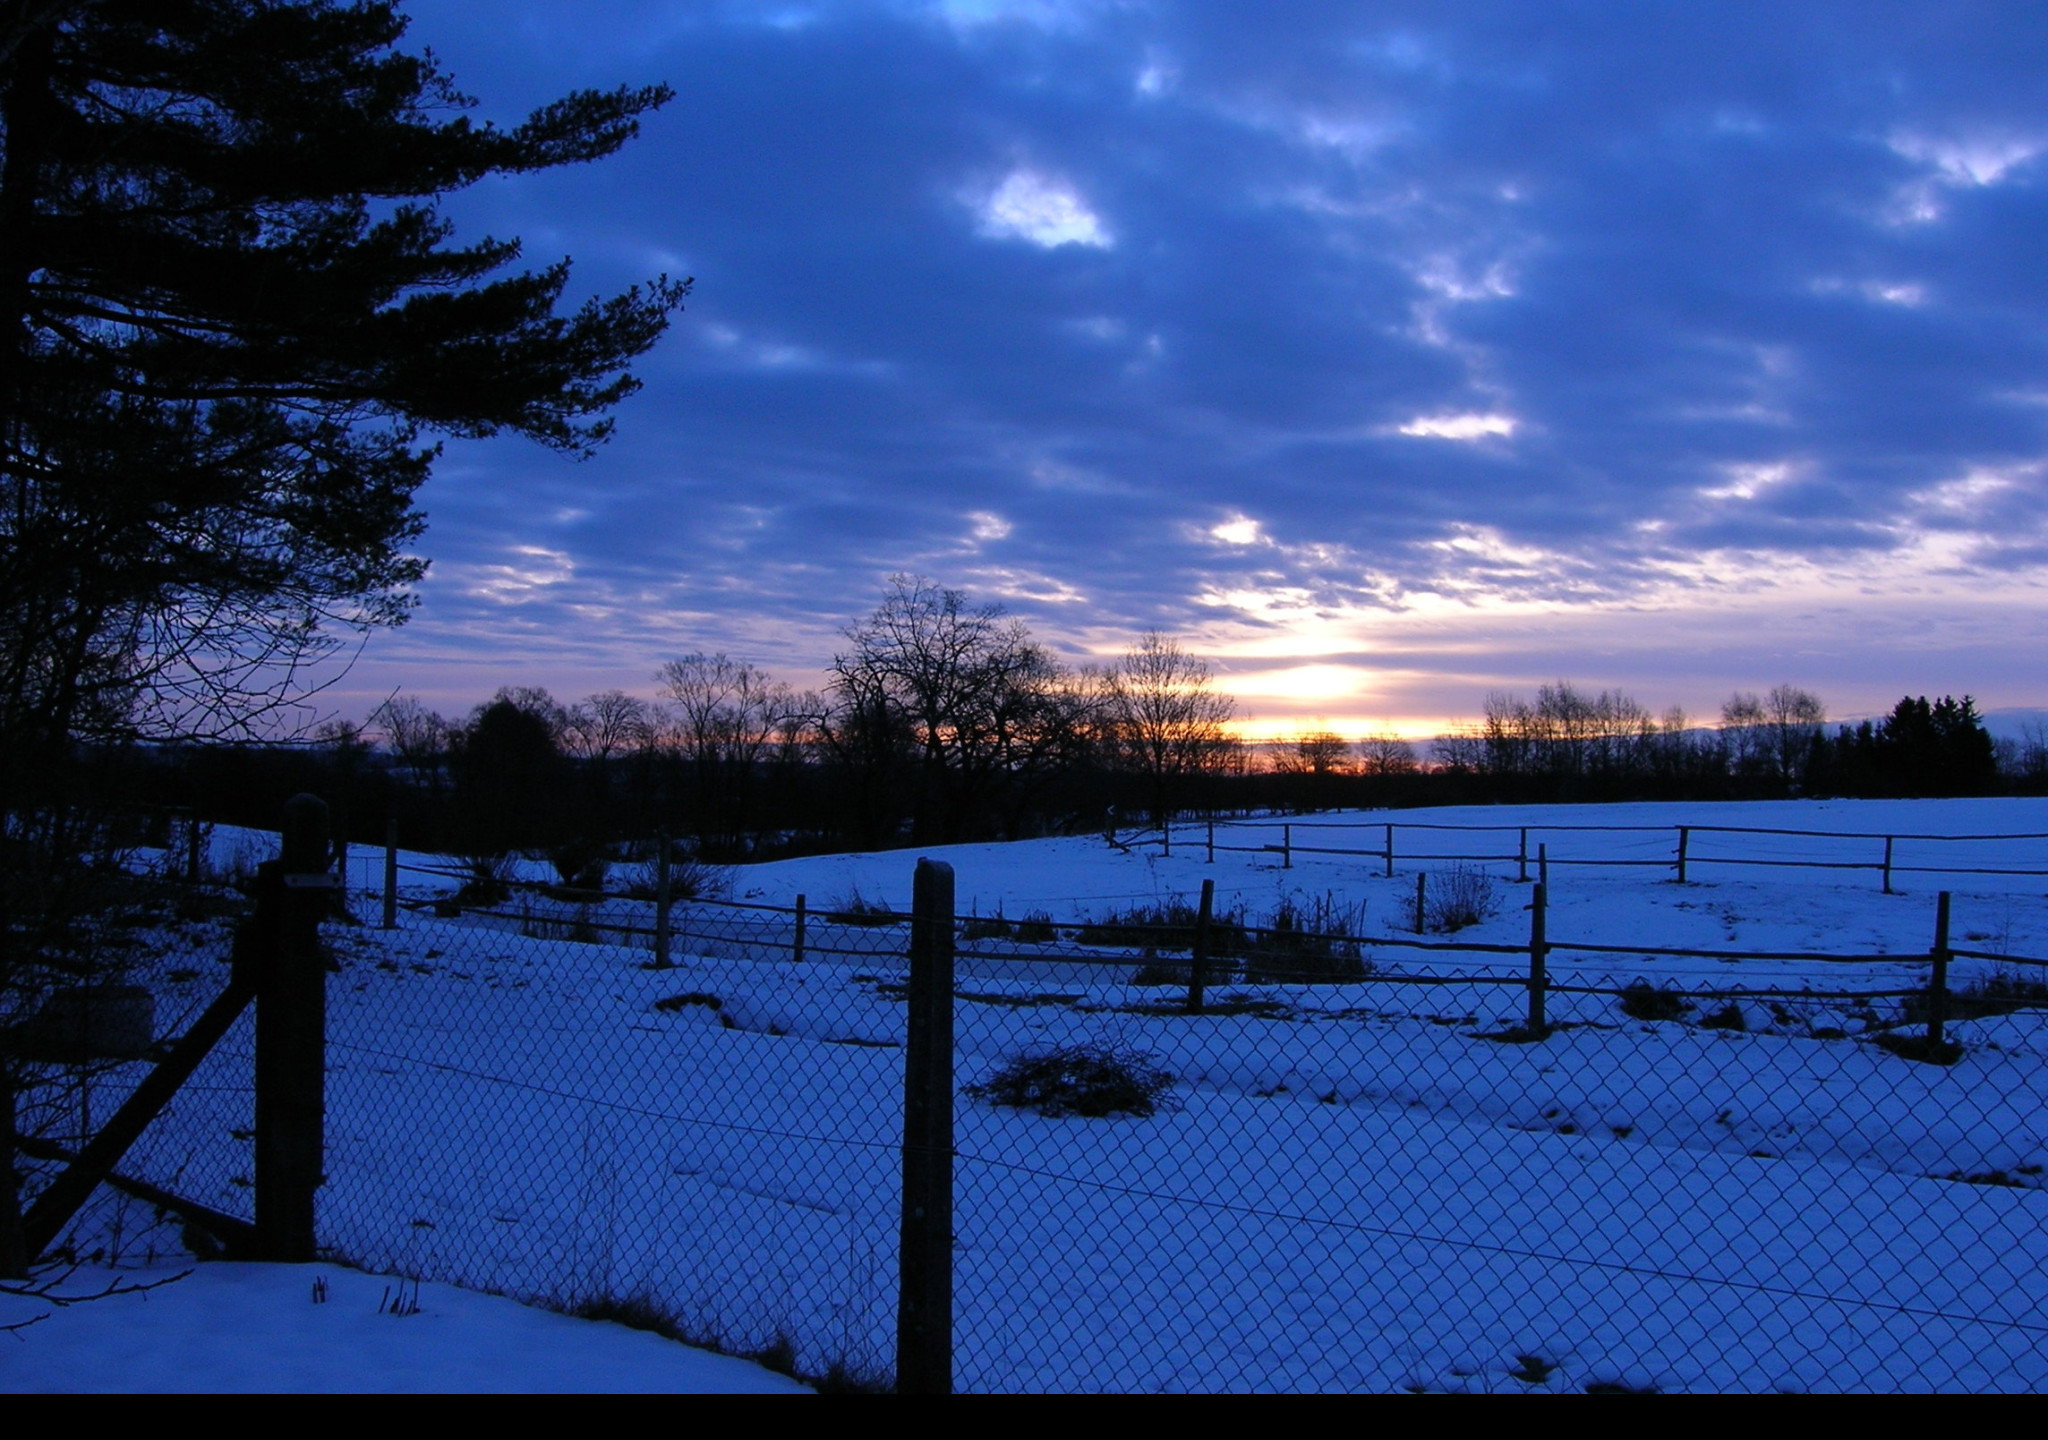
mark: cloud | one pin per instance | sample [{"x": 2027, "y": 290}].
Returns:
[
  {"x": 1238, "y": 530},
  {"x": 1459, "y": 427},
  {"x": 1306, "y": 333},
  {"x": 1047, "y": 212}
]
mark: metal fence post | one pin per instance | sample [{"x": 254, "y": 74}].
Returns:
[
  {"x": 1539, "y": 951},
  {"x": 1212, "y": 842},
  {"x": 1421, "y": 882},
  {"x": 1887, "y": 864},
  {"x": 661, "y": 902},
  {"x": 1166, "y": 837},
  {"x": 1286, "y": 847},
  {"x": 391, "y": 874},
  {"x": 1937, "y": 979},
  {"x": 924, "y": 1304},
  {"x": 1522, "y": 859},
  {"x": 1543, "y": 864},
  {"x": 1684, "y": 839},
  {"x": 796, "y": 948},
  {"x": 1198, "y": 953},
  {"x": 1390, "y": 852},
  {"x": 291, "y": 1039}
]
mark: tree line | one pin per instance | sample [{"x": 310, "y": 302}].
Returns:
[{"x": 943, "y": 720}]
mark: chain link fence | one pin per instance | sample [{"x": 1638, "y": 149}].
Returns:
[
  {"x": 172, "y": 946},
  {"x": 1358, "y": 1166},
  {"x": 1390, "y": 1181}
]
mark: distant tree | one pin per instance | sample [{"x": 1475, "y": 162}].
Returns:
[
  {"x": 417, "y": 735},
  {"x": 1744, "y": 739},
  {"x": 1314, "y": 750},
  {"x": 1387, "y": 754},
  {"x": 1462, "y": 752},
  {"x": 534, "y": 700},
  {"x": 723, "y": 719},
  {"x": 1568, "y": 742},
  {"x": 1937, "y": 749},
  {"x": 606, "y": 724},
  {"x": 987, "y": 713},
  {"x": 1165, "y": 719},
  {"x": 1791, "y": 719},
  {"x": 508, "y": 781},
  {"x": 2030, "y": 758}
]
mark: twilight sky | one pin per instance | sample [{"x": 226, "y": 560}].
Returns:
[{"x": 1386, "y": 353}]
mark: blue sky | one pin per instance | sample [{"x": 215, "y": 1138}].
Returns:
[{"x": 1389, "y": 354}]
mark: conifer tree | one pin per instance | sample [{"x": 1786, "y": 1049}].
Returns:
[{"x": 233, "y": 322}]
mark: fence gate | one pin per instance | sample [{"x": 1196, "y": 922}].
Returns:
[{"x": 280, "y": 966}]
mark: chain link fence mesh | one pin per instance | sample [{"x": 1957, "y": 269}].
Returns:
[{"x": 1357, "y": 1168}]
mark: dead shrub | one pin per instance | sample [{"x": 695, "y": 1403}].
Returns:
[{"x": 1088, "y": 1080}]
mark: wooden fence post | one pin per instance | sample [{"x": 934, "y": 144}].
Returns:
[
  {"x": 1390, "y": 852},
  {"x": 391, "y": 874},
  {"x": 13, "y": 1244},
  {"x": 1539, "y": 952},
  {"x": 1522, "y": 859},
  {"x": 1211, "y": 860},
  {"x": 1421, "y": 880},
  {"x": 924, "y": 1304},
  {"x": 192, "y": 847},
  {"x": 338, "y": 902},
  {"x": 1286, "y": 847},
  {"x": 1684, "y": 839},
  {"x": 1166, "y": 837},
  {"x": 661, "y": 902},
  {"x": 1543, "y": 865},
  {"x": 796, "y": 949},
  {"x": 1937, "y": 978},
  {"x": 1887, "y": 864},
  {"x": 1198, "y": 953},
  {"x": 291, "y": 1039}
]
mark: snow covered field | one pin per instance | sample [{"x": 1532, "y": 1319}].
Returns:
[{"x": 1353, "y": 1186}]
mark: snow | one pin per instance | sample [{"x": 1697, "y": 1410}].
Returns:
[
  {"x": 1354, "y": 1186},
  {"x": 236, "y": 1327}
]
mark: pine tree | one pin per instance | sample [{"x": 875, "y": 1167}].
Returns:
[
  {"x": 232, "y": 320},
  {"x": 233, "y": 323}
]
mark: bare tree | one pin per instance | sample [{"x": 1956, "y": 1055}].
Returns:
[
  {"x": 1386, "y": 754},
  {"x": 1742, "y": 733},
  {"x": 1567, "y": 736},
  {"x": 2030, "y": 759},
  {"x": 416, "y": 735},
  {"x": 1792, "y": 718},
  {"x": 1314, "y": 750},
  {"x": 1164, "y": 717},
  {"x": 722, "y": 711},
  {"x": 987, "y": 711},
  {"x": 608, "y": 723},
  {"x": 1464, "y": 752},
  {"x": 724, "y": 716}
]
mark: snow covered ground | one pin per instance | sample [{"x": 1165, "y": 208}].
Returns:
[
  {"x": 325, "y": 1329},
  {"x": 1355, "y": 1186}
]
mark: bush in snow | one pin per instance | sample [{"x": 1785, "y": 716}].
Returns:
[
  {"x": 1728, "y": 1017},
  {"x": 1641, "y": 1000},
  {"x": 1307, "y": 943},
  {"x": 1455, "y": 898},
  {"x": 688, "y": 879},
  {"x": 1091, "y": 1080}
]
